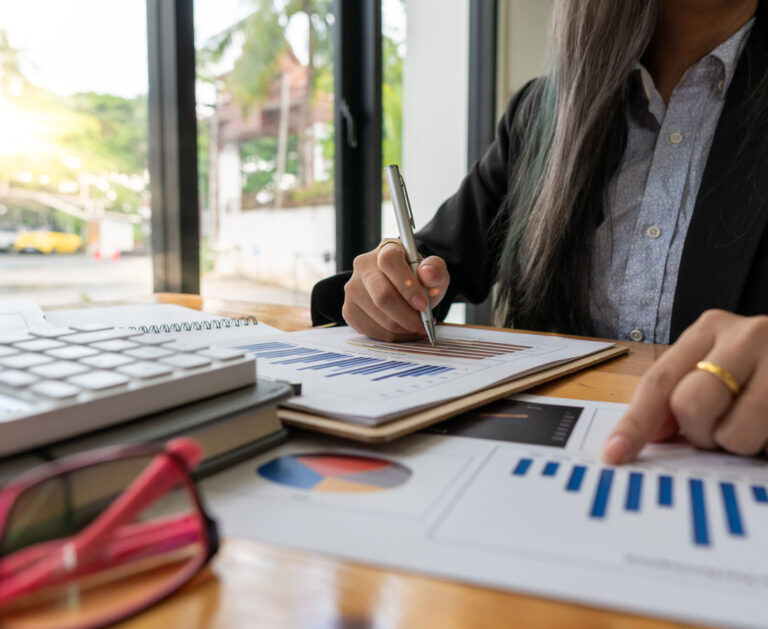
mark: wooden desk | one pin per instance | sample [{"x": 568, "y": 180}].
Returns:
[{"x": 253, "y": 585}]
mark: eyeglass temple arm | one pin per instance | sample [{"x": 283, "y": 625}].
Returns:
[
  {"x": 124, "y": 541},
  {"x": 131, "y": 542},
  {"x": 161, "y": 475}
]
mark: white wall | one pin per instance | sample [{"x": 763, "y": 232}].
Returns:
[
  {"x": 523, "y": 32},
  {"x": 435, "y": 102},
  {"x": 286, "y": 247}
]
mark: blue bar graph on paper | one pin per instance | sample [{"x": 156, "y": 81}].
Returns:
[
  {"x": 521, "y": 469},
  {"x": 665, "y": 491},
  {"x": 576, "y": 478},
  {"x": 550, "y": 469},
  {"x": 732, "y": 511},
  {"x": 634, "y": 490},
  {"x": 760, "y": 494},
  {"x": 335, "y": 364},
  {"x": 698, "y": 513},
  {"x": 600, "y": 503}
]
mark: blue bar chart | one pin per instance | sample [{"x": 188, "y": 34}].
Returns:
[
  {"x": 639, "y": 492},
  {"x": 335, "y": 364}
]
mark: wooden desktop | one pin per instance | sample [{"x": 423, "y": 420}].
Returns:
[{"x": 252, "y": 585}]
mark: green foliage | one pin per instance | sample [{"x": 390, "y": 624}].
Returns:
[
  {"x": 203, "y": 159},
  {"x": 392, "y": 102},
  {"x": 113, "y": 137},
  {"x": 259, "y": 159}
]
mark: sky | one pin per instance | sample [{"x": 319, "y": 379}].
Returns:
[{"x": 101, "y": 45}]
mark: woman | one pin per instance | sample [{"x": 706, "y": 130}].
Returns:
[{"x": 626, "y": 196}]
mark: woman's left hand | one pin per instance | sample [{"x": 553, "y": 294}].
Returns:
[{"x": 674, "y": 395}]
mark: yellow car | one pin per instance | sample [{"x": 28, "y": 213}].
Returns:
[{"x": 46, "y": 241}]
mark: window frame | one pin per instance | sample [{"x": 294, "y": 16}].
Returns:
[
  {"x": 173, "y": 146},
  {"x": 481, "y": 130},
  {"x": 358, "y": 120}
]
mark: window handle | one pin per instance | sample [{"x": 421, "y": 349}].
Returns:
[{"x": 349, "y": 123}]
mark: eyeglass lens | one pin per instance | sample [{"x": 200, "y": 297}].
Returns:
[{"x": 83, "y": 548}]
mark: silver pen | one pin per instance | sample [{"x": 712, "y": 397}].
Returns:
[{"x": 405, "y": 226}]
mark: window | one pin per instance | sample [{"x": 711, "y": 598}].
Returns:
[
  {"x": 74, "y": 200},
  {"x": 393, "y": 51},
  {"x": 265, "y": 147}
]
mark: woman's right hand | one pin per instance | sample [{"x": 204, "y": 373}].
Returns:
[{"x": 383, "y": 299}]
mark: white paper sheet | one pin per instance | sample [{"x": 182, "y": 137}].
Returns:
[
  {"x": 681, "y": 534},
  {"x": 20, "y": 314},
  {"x": 351, "y": 377}
]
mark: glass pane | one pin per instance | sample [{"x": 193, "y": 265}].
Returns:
[
  {"x": 265, "y": 147},
  {"x": 74, "y": 197},
  {"x": 393, "y": 24}
]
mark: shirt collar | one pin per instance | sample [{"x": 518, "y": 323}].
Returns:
[
  {"x": 726, "y": 55},
  {"x": 729, "y": 51}
]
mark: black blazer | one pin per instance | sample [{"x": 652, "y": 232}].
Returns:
[{"x": 724, "y": 262}]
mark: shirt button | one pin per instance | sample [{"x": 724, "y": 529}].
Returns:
[
  {"x": 636, "y": 335},
  {"x": 653, "y": 232},
  {"x": 721, "y": 86},
  {"x": 676, "y": 137}
]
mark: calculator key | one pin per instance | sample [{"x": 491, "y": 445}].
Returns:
[
  {"x": 218, "y": 353},
  {"x": 59, "y": 369},
  {"x": 5, "y": 350},
  {"x": 72, "y": 352},
  {"x": 149, "y": 353},
  {"x": 107, "y": 361},
  {"x": 14, "y": 378},
  {"x": 24, "y": 361},
  {"x": 114, "y": 346},
  {"x": 185, "y": 346},
  {"x": 51, "y": 333},
  {"x": 97, "y": 380},
  {"x": 6, "y": 338},
  {"x": 186, "y": 361},
  {"x": 142, "y": 371},
  {"x": 39, "y": 345},
  {"x": 91, "y": 327},
  {"x": 55, "y": 389},
  {"x": 150, "y": 339},
  {"x": 104, "y": 335}
]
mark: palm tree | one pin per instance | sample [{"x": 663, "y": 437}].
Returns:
[{"x": 262, "y": 34}]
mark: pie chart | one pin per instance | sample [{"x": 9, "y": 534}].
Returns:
[{"x": 335, "y": 473}]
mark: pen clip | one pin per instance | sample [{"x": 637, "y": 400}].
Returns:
[{"x": 407, "y": 202}]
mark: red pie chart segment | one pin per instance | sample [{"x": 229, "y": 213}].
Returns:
[{"x": 341, "y": 465}]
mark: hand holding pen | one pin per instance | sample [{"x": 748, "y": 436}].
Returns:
[{"x": 384, "y": 299}]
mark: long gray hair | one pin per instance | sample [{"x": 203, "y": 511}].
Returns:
[{"x": 571, "y": 141}]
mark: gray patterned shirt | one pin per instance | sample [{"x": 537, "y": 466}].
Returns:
[{"x": 650, "y": 201}]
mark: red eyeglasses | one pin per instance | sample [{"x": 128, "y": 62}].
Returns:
[{"x": 91, "y": 539}]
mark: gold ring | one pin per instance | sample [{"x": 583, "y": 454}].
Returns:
[
  {"x": 394, "y": 241},
  {"x": 722, "y": 374}
]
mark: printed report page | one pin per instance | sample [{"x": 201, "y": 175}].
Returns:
[{"x": 513, "y": 496}]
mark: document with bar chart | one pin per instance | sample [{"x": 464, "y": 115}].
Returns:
[
  {"x": 351, "y": 377},
  {"x": 513, "y": 496}
]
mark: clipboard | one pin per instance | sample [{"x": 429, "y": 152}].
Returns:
[{"x": 424, "y": 417}]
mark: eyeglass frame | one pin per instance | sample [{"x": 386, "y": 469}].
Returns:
[{"x": 10, "y": 493}]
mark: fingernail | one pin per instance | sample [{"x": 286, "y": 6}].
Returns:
[
  {"x": 617, "y": 449},
  {"x": 419, "y": 302},
  {"x": 430, "y": 271}
]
